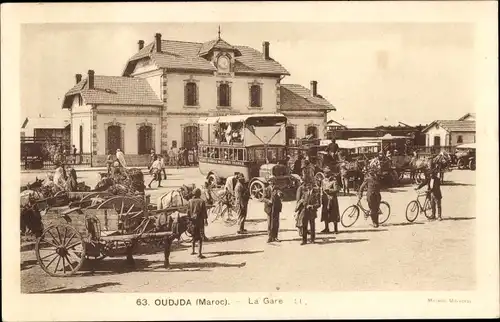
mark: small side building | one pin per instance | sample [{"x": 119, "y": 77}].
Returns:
[{"x": 451, "y": 132}]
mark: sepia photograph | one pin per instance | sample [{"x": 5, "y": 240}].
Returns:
[{"x": 262, "y": 158}]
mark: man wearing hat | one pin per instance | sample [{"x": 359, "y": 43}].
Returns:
[
  {"x": 307, "y": 171},
  {"x": 373, "y": 197},
  {"x": 241, "y": 198},
  {"x": 307, "y": 205},
  {"x": 197, "y": 211},
  {"x": 434, "y": 189},
  {"x": 330, "y": 204},
  {"x": 272, "y": 207}
]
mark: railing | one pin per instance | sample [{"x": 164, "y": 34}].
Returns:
[{"x": 38, "y": 163}]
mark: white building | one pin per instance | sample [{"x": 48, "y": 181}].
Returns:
[
  {"x": 451, "y": 132},
  {"x": 168, "y": 85}
]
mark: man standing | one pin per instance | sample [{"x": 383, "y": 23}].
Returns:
[
  {"x": 333, "y": 147},
  {"x": 272, "y": 207},
  {"x": 197, "y": 211},
  {"x": 74, "y": 154},
  {"x": 307, "y": 172},
  {"x": 109, "y": 161},
  {"x": 155, "y": 171},
  {"x": 434, "y": 189},
  {"x": 330, "y": 204},
  {"x": 152, "y": 156},
  {"x": 372, "y": 185},
  {"x": 307, "y": 206},
  {"x": 241, "y": 196}
]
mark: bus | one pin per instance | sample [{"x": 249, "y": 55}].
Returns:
[{"x": 252, "y": 144}]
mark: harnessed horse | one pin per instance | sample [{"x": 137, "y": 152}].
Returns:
[{"x": 439, "y": 162}]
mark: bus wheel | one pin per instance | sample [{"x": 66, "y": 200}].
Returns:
[
  {"x": 257, "y": 190},
  {"x": 212, "y": 180}
]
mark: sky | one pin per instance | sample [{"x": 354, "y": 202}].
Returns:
[{"x": 371, "y": 72}]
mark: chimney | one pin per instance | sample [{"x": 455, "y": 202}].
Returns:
[
  {"x": 78, "y": 78},
  {"x": 314, "y": 88},
  {"x": 91, "y": 79},
  {"x": 158, "y": 43},
  {"x": 141, "y": 44},
  {"x": 265, "y": 49}
]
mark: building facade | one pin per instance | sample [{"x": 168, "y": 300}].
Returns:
[
  {"x": 450, "y": 132},
  {"x": 168, "y": 85}
]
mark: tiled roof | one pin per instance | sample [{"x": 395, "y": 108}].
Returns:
[
  {"x": 187, "y": 55},
  {"x": 115, "y": 90},
  {"x": 454, "y": 125},
  {"x": 297, "y": 97},
  {"x": 219, "y": 44}
]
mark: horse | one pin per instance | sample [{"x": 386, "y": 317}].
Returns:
[
  {"x": 439, "y": 162},
  {"x": 33, "y": 186},
  {"x": 31, "y": 218}
]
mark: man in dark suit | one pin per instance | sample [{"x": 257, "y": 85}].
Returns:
[
  {"x": 433, "y": 184},
  {"x": 272, "y": 207},
  {"x": 241, "y": 198},
  {"x": 308, "y": 202}
]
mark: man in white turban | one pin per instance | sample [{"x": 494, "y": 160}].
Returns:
[{"x": 121, "y": 158}]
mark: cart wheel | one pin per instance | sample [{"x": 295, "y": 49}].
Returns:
[
  {"x": 384, "y": 212},
  {"x": 418, "y": 177},
  {"x": 460, "y": 164},
  {"x": 257, "y": 190},
  {"x": 60, "y": 250},
  {"x": 412, "y": 211},
  {"x": 349, "y": 216},
  {"x": 186, "y": 237}
]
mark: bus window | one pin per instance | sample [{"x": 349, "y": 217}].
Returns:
[{"x": 240, "y": 156}]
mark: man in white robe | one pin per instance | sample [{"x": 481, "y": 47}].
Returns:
[{"x": 121, "y": 158}]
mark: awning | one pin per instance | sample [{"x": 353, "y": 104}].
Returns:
[
  {"x": 235, "y": 118},
  {"x": 346, "y": 144},
  {"x": 467, "y": 146}
]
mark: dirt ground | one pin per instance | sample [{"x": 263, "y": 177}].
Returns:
[{"x": 397, "y": 256}]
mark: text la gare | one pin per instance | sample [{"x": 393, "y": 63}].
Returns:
[{"x": 265, "y": 300}]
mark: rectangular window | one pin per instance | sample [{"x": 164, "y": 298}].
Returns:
[
  {"x": 224, "y": 97},
  {"x": 255, "y": 96},
  {"x": 190, "y": 94}
]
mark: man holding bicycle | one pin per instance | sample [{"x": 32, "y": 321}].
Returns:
[
  {"x": 433, "y": 184},
  {"x": 373, "y": 197}
]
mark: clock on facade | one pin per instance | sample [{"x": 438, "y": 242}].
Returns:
[{"x": 223, "y": 63}]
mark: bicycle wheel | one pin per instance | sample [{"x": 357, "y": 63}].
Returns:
[
  {"x": 216, "y": 212},
  {"x": 412, "y": 211},
  {"x": 428, "y": 209},
  {"x": 229, "y": 216},
  {"x": 349, "y": 216},
  {"x": 384, "y": 212}
]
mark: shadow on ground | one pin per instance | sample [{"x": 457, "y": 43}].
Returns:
[
  {"x": 459, "y": 218},
  {"x": 87, "y": 289},
  {"x": 328, "y": 240},
  {"x": 231, "y": 252},
  {"x": 404, "y": 224},
  {"x": 28, "y": 264},
  {"x": 450, "y": 183}
]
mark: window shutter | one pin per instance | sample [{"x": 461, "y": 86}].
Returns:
[
  {"x": 106, "y": 149},
  {"x": 186, "y": 94},
  {"x": 197, "y": 93},
  {"x": 122, "y": 143},
  {"x": 228, "y": 95}
]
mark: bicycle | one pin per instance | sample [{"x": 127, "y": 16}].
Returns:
[
  {"x": 351, "y": 213},
  {"x": 224, "y": 209},
  {"x": 415, "y": 206}
]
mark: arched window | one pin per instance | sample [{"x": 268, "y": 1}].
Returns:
[
  {"x": 460, "y": 139},
  {"x": 290, "y": 133},
  {"x": 191, "y": 94},
  {"x": 114, "y": 138},
  {"x": 224, "y": 95},
  {"x": 145, "y": 139},
  {"x": 190, "y": 137},
  {"x": 255, "y": 96},
  {"x": 312, "y": 131}
]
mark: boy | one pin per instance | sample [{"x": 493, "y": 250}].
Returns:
[
  {"x": 197, "y": 211},
  {"x": 155, "y": 172},
  {"x": 434, "y": 189}
]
